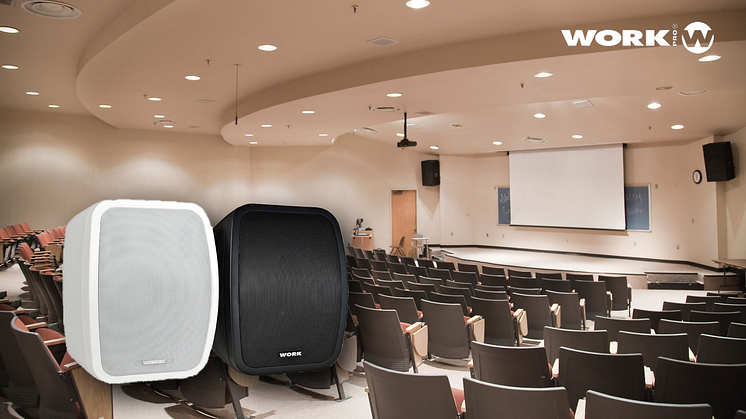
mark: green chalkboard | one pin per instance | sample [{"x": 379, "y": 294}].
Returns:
[
  {"x": 503, "y": 205},
  {"x": 637, "y": 207}
]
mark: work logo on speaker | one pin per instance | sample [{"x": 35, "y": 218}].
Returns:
[
  {"x": 693, "y": 37},
  {"x": 290, "y": 354}
]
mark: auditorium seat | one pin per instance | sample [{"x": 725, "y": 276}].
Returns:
[
  {"x": 720, "y": 307},
  {"x": 721, "y": 350},
  {"x": 443, "y": 274},
  {"x": 468, "y": 267},
  {"x": 692, "y": 329},
  {"x": 395, "y": 267},
  {"x": 737, "y": 330},
  {"x": 523, "y": 282},
  {"x": 518, "y": 273},
  {"x": 385, "y": 275},
  {"x": 538, "y": 312},
  {"x": 490, "y": 295},
  {"x": 559, "y": 285},
  {"x": 446, "y": 265},
  {"x": 493, "y": 270},
  {"x": 620, "y": 290},
  {"x": 468, "y": 277},
  {"x": 379, "y": 265},
  {"x": 709, "y": 300},
  {"x": 417, "y": 295},
  {"x": 452, "y": 299},
  {"x": 656, "y": 316},
  {"x": 487, "y": 401},
  {"x": 614, "y": 325},
  {"x": 501, "y": 325},
  {"x": 725, "y": 318},
  {"x": 573, "y": 308},
  {"x": 385, "y": 339},
  {"x": 584, "y": 340},
  {"x": 596, "y": 296},
  {"x": 603, "y": 406},
  {"x": 493, "y": 280},
  {"x": 548, "y": 275},
  {"x": 449, "y": 332},
  {"x": 511, "y": 366},
  {"x": 675, "y": 346},
  {"x": 405, "y": 307},
  {"x": 686, "y": 308}
]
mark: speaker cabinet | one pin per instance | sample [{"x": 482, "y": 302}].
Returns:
[
  {"x": 283, "y": 289},
  {"x": 140, "y": 290},
  {"x": 430, "y": 172},
  {"x": 719, "y": 161}
]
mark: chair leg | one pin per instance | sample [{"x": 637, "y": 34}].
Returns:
[{"x": 338, "y": 382}]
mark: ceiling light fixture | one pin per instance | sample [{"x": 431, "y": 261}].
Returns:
[
  {"x": 434, "y": 147},
  {"x": 708, "y": 58},
  {"x": 497, "y": 143},
  {"x": 8, "y": 29},
  {"x": 394, "y": 94},
  {"x": 10, "y": 67},
  {"x": 577, "y": 136},
  {"x": 266, "y": 126},
  {"x": 32, "y": 93},
  {"x": 51, "y": 9},
  {"x": 323, "y": 135},
  {"x": 539, "y": 115},
  {"x": 104, "y": 106},
  {"x": 654, "y": 105},
  {"x": 193, "y": 78},
  {"x": 368, "y": 130},
  {"x": 677, "y": 126},
  {"x": 308, "y": 112},
  {"x": 168, "y": 126},
  {"x": 664, "y": 88},
  {"x": 248, "y": 135},
  {"x": 399, "y": 134},
  {"x": 418, "y": 4},
  {"x": 155, "y": 99},
  {"x": 159, "y": 116},
  {"x": 267, "y": 47},
  {"x": 253, "y": 143},
  {"x": 54, "y": 106},
  {"x": 543, "y": 74}
]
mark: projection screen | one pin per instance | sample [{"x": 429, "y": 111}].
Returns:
[{"x": 580, "y": 187}]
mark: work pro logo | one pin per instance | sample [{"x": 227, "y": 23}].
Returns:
[
  {"x": 695, "y": 34},
  {"x": 290, "y": 354}
]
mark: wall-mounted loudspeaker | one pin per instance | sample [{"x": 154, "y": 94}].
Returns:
[
  {"x": 141, "y": 290},
  {"x": 430, "y": 172},
  {"x": 719, "y": 161},
  {"x": 283, "y": 289}
]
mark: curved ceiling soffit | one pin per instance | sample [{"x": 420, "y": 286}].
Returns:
[{"x": 482, "y": 52}]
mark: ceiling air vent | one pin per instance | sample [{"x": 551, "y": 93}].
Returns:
[
  {"x": 534, "y": 140},
  {"x": 382, "y": 41},
  {"x": 424, "y": 113},
  {"x": 383, "y": 109},
  {"x": 583, "y": 104},
  {"x": 52, "y": 9},
  {"x": 208, "y": 101},
  {"x": 369, "y": 130}
]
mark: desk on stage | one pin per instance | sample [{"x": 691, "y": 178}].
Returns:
[
  {"x": 420, "y": 243},
  {"x": 737, "y": 265},
  {"x": 362, "y": 239}
]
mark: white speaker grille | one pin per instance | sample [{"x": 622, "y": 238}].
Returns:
[{"x": 154, "y": 290}]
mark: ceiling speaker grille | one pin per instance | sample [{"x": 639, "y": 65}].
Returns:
[
  {"x": 382, "y": 41},
  {"x": 583, "y": 104},
  {"x": 51, "y": 9}
]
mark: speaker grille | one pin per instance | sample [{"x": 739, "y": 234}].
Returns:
[
  {"x": 154, "y": 302},
  {"x": 290, "y": 290}
]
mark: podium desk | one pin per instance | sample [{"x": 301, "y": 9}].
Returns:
[{"x": 362, "y": 239}]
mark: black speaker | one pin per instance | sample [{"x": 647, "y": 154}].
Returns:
[
  {"x": 719, "y": 161},
  {"x": 430, "y": 172},
  {"x": 283, "y": 289}
]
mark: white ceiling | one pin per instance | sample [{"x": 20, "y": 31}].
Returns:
[{"x": 469, "y": 63}]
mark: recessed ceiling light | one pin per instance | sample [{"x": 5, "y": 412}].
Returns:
[
  {"x": 266, "y": 126},
  {"x": 577, "y": 136},
  {"x": 308, "y": 112},
  {"x": 497, "y": 143},
  {"x": 104, "y": 106},
  {"x": 654, "y": 105},
  {"x": 51, "y": 8},
  {"x": 539, "y": 115},
  {"x": 677, "y": 126},
  {"x": 543, "y": 74},
  {"x": 411, "y": 124},
  {"x": 267, "y": 47},
  {"x": 32, "y": 93},
  {"x": 193, "y": 78},
  {"x": 664, "y": 88},
  {"x": 434, "y": 147},
  {"x": 394, "y": 94},
  {"x": 399, "y": 134},
  {"x": 708, "y": 58},
  {"x": 248, "y": 135},
  {"x": 253, "y": 142},
  {"x": 368, "y": 130},
  {"x": 418, "y": 4},
  {"x": 8, "y": 29},
  {"x": 323, "y": 135},
  {"x": 159, "y": 116},
  {"x": 54, "y": 106},
  {"x": 168, "y": 126},
  {"x": 10, "y": 67},
  {"x": 155, "y": 99}
]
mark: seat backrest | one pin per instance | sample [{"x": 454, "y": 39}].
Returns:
[
  {"x": 393, "y": 258},
  {"x": 651, "y": 347},
  {"x": 725, "y": 318},
  {"x": 621, "y": 375},
  {"x": 391, "y": 394},
  {"x": 379, "y": 265},
  {"x": 375, "y": 290},
  {"x": 614, "y": 325},
  {"x": 21, "y": 388},
  {"x": 523, "y": 282},
  {"x": 493, "y": 280},
  {"x": 404, "y": 277},
  {"x": 351, "y": 261},
  {"x": 498, "y": 320},
  {"x": 511, "y": 366},
  {"x": 737, "y": 330},
  {"x": 380, "y": 255},
  {"x": 603, "y": 406},
  {"x": 741, "y": 308},
  {"x": 428, "y": 289},
  {"x": 526, "y": 291},
  {"x": 391, "y": 284},
  {"x": 382, "y": 338},
  {"x": 494, "y": 288},
  {"x": 426, "y": 263},
  {"x": 434, "y": 281},
  {"x": 446, "y": 265},
  {"x": 537, "y": 310},
  {"x": 577, "y": 276},
  {"x": 483, "y": 400},
  {"x": 443, "y": 274},
  {"x": 353, "y": 285},
  {"x": 468, "y": 267},
  {"x": 490, "y": 295},
  {"x": 549, "y": 275},
  {"x": 405, "y": 307},
  {"x": 709, "y": 300},
  {"x": 363, "y": 262},
  {"x": 362, "y": 272},
  {"x": 656, "y": 316},
  {"x": 369, "y": 254},
  {"x": 417, "y": 295},
  {"x": 724, "y": 296},
  {"x": 396, "y": 267},
  {"x": 721, "y": 386},
  {"x": 493, "y": 270},
  {"x": 418, "y": 271},
  {"x": 596, "y": 300},
  {"x": 58, "y": 396},
  {"x": 686, "y": 308},
  {"x": 559, "y": 285},
  {"x": 569, "y": 302},
  {"x": 468, "y": 277},
  {"x": 406, "y": 260},
  {"x": 617, "y": 285},
  {"x": 457, "y": 289},
  {"x": 451, "y": 299},
  {"x": 518, "y": 273},
  {"x": 735, "y": 300},
  {"x": 721, "y": 350},
  {"x": 448, "y": 336},
  {"x": 385, "y": 275},
  {"x": 358, "y": 253},
  {"x": 584, "y": 340},
  {"x": 692, "y": 329},
  {"x": 364, "y": 299}
]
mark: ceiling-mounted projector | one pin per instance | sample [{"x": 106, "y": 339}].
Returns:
[{"x": 404, "y": 143}]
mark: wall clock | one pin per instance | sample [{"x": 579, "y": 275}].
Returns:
[{"x": 697, "y": 177}]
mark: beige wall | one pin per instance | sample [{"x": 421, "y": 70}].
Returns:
[
  {"x": 735, "y": 198},
  {"x": 683, "y": 214}
]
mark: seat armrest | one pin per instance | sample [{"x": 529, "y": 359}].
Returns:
[
  {"x": 476, "y": 328},
  {"x": 53, "y": 342},
  {"x": 474, "y": 319},
  {"x": 34, "y": 326},
  {"x": 520, "y": 319},
  {"x": 582, "y": 313},
  {"x": 556, "y": 314}
]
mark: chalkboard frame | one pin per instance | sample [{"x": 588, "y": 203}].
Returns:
[{"x": 649, "y": 208}]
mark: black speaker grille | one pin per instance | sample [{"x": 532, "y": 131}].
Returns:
[{"x": 290, "y": 288}]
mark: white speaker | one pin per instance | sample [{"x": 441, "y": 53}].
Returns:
[{"x": 140, "y": 292}]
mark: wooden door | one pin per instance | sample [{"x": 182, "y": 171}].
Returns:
[{"x": 403, "y": 218}]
